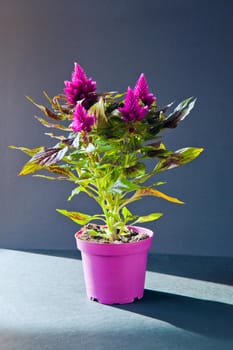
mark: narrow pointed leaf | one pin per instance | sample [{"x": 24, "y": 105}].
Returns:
[
  {"x": 99, "y": 111},
  {"x": 59, "y": 178},
  {"x": 77, "y": 217},
  {"x": 135, "y": 170},
  {"x": 29, "y": 151},
  {"x": 57, "y": 137},
  {"x": 30, "y": 168},
  {"x": 150, "y": 217},
  {"x": 48, "y": 98},
  {"x": 188, "y": 154},
  {"x": 122, "y": 185},
  {"x": 178, "y": 158},
  {"x": 180, "y": 113},
  {"x": 75, "y": 192},
  {"x": 62, "y": 170},
  {"x": 45, "y": 110},
  {"x": 49, "y": 156},
  {"x": 52, "y": 125},
  {"x": 183, "y": 104},
  {"x": 147, "y": 191},
  {"x": 127, "y": 214},
  {"x": 165, "y": 108}
]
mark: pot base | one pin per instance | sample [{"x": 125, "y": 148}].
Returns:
[{"x": 111, "y": 302}]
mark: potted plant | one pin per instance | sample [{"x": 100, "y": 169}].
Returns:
[{"x": 109, "y": 136}]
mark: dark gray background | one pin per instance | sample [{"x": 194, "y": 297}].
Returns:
[{"x": 183, "y": 47}]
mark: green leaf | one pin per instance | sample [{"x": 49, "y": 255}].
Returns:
[
  {"x": 93, "y": 233},
  {"x": 150, "y": 217},
  {"x": 61, "y": 170},
  {"x": 127, "y": 214},
  {"x": 75, "y": 192},
  {"x": 30, "y": 168},
  {"x": 77, "y": 217},
  {"x": 28, "y": 151},
  {"x": 83, "y": 188},
  {"x": 159, "y": 183},
  {"x": 123, "y": 185},
  {"x": 178, "y": 158},
  {"x": 156, "y": 149},
  {"x": 61, "y": 137},
  {"x": 135, "y": 170},
  {"x": 59, "y": 178},
  {"x": 188, "y": 154},
  {"x": 103, "y": 146}
]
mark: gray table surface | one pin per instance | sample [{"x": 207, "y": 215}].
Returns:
[{"x": 188, "y": 304}]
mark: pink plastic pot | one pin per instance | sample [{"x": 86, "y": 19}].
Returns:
[{"x": 115, "y": 273}]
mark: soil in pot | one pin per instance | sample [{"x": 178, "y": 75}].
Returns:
[{"x": 94, "y": 233}]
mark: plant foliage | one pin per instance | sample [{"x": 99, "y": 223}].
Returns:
[{"x": 108, "y": 137}]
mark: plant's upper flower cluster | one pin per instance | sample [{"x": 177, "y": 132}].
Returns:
[
  {"x": 141, "y": 91},
  {"x": 132, "y": 111},
  {"x": 81, "y": 92},
  {"x": 80, "y": 87}
]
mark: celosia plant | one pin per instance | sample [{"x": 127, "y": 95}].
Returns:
[{"x": 109, "y": 137}]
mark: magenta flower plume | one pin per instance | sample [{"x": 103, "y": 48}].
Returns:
[
  {"x": 80, "y": 88},
  {"x": 132, "y": 111},
  {"x": 82, "y": 121},
  {"x": 141, "y": 90}
]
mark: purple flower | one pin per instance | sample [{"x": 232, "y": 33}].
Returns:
[
  {"x": 82, "y": 121},
  {"x": 132, "y": 111},
  {"x": 80, "y": 88},
  {"x": 141, "y": 90}
]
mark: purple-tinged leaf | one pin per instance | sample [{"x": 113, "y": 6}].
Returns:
[
  {"x": 179, "y": 114},
  {"x": 178, "y": 158},
  {"x": 45, "y": 110},
  {"x": 135, "y": 170},
  {"x": 49, "y": 156},
  {"x": 61, "y": 170}
]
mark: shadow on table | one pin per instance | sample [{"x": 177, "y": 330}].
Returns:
[
  {"x": 206, "y": 268},
  {"x": 204, "y": 317}
]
